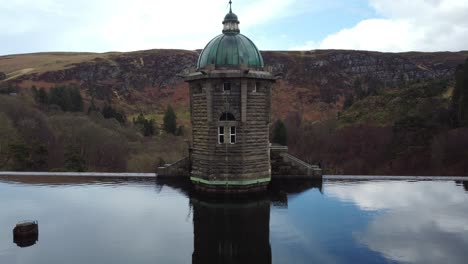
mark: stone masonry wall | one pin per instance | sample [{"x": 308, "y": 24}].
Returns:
[{"x": 249, "y": 157}]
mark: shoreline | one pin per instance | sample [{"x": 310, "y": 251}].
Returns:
[
  {"x": 80, "y": 174},
  {"x": 154, "y": 176},
  {"x": 403, "y": 178}
]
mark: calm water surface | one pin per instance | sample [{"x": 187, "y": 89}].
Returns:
[{"x": 87, "y": 221}]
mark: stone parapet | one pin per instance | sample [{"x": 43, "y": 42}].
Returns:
[
  {"x": 179, "y": 169},
  {"x": 286, "y": 166}
]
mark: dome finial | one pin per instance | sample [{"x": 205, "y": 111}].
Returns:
[{"x": 230, "y": 6}]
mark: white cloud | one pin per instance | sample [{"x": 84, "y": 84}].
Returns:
[
  {"x": 104, "y": 25},
  {"x": 418, "y": 222},
  {"x": 422, "y": 25}
]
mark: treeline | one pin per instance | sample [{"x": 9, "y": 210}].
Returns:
[
  {"x": 30, "y": 140},
  {"x": 376, "y": 150},
  {"x": 55, "y": 134},
  {"x": 417, "y": 129}
]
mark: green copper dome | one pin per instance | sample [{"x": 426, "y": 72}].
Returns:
[{"x": 230, "y": 49}]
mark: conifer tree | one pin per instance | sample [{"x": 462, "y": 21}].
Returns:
[
  {"x": 349, "y": 101},
  {"x": 170, "y": 121},
  {"x": 76, "y": 101},
  {"x": 146, "y": 126},
  {"x": 279, "y": 133},
  {"x": 463, "y": 112},
  {"x": 109, "y": 112},
  {"x": 460, "y": 96},
  {"x": 42, "y": 97}
]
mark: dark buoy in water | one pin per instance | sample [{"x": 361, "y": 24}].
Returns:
[{"x": 26, "y": 233}]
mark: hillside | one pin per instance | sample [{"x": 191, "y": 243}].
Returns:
[
  {"x": 315, "y": 82},
  {"x": 354, "y": 112}
]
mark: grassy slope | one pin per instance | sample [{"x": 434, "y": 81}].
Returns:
[
  {"x": 14, "y": 65},
  {"x": 18, "y": 64}
]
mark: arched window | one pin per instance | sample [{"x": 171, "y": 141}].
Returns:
[{"x": 227, "y": 117}]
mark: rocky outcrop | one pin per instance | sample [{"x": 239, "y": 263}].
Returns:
[
  {"x": 326, "y": 75},
  {"x": 332, "y": 72},
  {"x": 123, "y": 72},
  {"x": 300, "y": 67}
]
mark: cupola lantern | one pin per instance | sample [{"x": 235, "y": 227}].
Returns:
[{"x": 231, "y": 22}]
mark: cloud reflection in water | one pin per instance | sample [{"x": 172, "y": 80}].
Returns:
[{"x": 418, "y": 222}]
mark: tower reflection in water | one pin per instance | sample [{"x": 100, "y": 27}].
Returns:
[
  {"x": 231, "y": 232},
  {"x": 238, "y": 231}
]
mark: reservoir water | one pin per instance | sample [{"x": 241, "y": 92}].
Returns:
[{"x": 83, "y": 220}]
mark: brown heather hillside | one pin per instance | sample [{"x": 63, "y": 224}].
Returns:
[
  {"x": 314, "y": 83},
  {"x": 353, "y": 112}
]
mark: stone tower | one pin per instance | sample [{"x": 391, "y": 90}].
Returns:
[{"x": 230, "y": 104}]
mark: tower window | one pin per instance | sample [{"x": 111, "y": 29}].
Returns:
[
  {"x": 227, "y": 87},
  {"x": 221, "y": 135},
  {"x": 256, "y": 86},
  {"x": 233, "y": 135}
]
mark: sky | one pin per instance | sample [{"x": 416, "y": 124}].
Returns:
[{"x": 28, "y": 26}]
